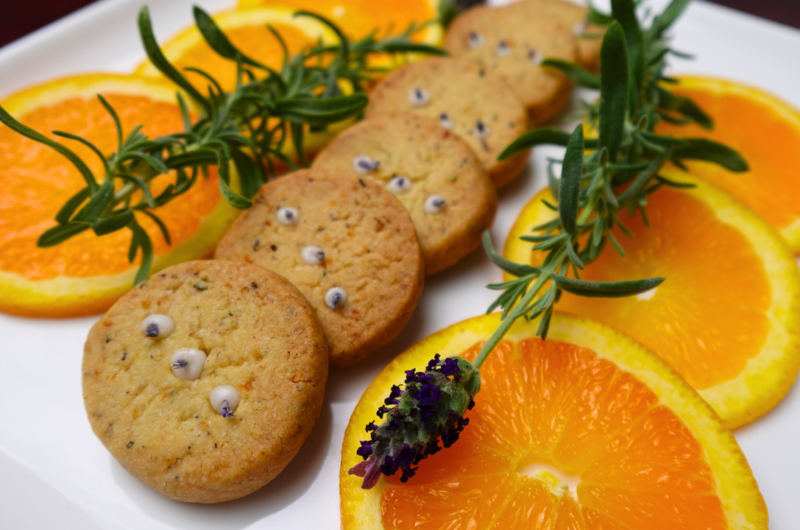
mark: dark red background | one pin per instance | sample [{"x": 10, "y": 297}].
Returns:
[{"x": 25, "y": 16}]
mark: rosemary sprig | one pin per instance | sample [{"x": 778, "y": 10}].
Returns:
[
  {"x": 617, "y": 175},
  {"x": 246, "y": 129}
]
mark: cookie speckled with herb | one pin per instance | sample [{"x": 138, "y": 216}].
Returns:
[
  {"x": 349, "y": 246},
  {"x": 464, "y": 97},
  {"x": 449, "y": 195},
  {"x": 205, "y": 380},
  {"x": 512, "y": 41}
]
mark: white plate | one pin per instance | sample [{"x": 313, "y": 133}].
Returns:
[{"x": 54, "y": 473}]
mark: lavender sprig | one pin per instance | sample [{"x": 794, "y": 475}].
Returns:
[{"x": 430, "y": 407}]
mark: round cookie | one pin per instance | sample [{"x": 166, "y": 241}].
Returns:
[
  {"x": 369, "y": 278},
  {"x": 589, "y": 36},
  {"x": 512, "y": 41},
  {"x": 254, "y": 331},
  {"x": 477, "y": 106},
  {"x": 450, "y": 197}
]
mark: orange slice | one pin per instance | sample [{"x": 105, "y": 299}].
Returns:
[
  {"x": 766, "y": 131},
  {"x": 726, "y": 318},
  {"x": 359, "y": 18},
  {"x": 86, "y": 274},
  {"x": 584, "y": 431},
  {"x": 248, "y": 31}
]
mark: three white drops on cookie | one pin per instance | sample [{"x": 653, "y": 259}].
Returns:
[
  {"x": 503, "y": 49},
  {"x": 188, "y": 364},
  {"x": 398, "y": 184},
  {"x": 335, "y": 297}
]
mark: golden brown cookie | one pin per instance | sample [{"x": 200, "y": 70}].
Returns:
[
  {"x": 573, "y": 16},
  {"x": 447, "y": 192},
  {"x": 463, "y": 97},
  {"x": 512, "y": 41},
  {"x": 347, "y": 243},
  {"x": 159, "y": 366}
]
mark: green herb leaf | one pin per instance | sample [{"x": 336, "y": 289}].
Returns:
[
  {"x": 540, "y": 136},
  {"x": 613, "y": 90},
  {"x": 624, "y": 13},
  {"x": 448, "y": 11},
  {"x": 579, "y": 75},
  {"x": 217, "y": 39},
  {"x": 59, "y": 234},
  {"x": 250, "y": 176},
  {"x": 158, "y": 59},
  {"x": 570, "y": 186},
  {"x": 606, "y": 289},
  {"x": 297, "y": 139},
  {"x": 236, "y": 200},
  {"x": 322, "y": 112},
  {"x": 90, "y": 213},
  {"x": 65, "y": 213},
  {"x": 673, "y": 11},
  {"x": 113, "y": 223},
  {"x": 710, "y": 151},
  {"x": 669, "y": 101},
  {"x": 515, "y": 269},
  {"x": 160, "y": 224},
  {"x": 143, "y": 242},
  {"x": 344, "y": 42}
]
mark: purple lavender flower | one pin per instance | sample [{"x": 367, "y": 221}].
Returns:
[
  {"x": 429, "y": 393},
  {"x": 450, "y": 367},
  {"x": 430, "y": 408}
]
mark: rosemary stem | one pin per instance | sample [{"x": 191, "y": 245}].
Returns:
[
  {"x": 128, "y": 189},
  {"x": 515, "y": 314}
]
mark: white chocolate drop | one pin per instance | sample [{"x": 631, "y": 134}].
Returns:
[
  {"x": 364, "y": 164},
  {"x": 476, "y": 40},
  {"x": 158, "y": 326},
  {"x": 481, "y": 130},
  {"x": 434, "y": 204},
  {"x": 312, "y": 255},
  {"x": 188, "y": 363},
  {"x": 399, "y": 185},
  {"x": 419, "y": 97},
  {"x": 502, "y": 49},
  {"x": 445, "y": 120},
  {"x": 288, "y": 216},
  {"x": 224, "y": 399},
  {"x": 336, "y": 297}
]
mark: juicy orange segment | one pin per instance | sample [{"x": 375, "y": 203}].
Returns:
[
  {"x": 248, "y": 31},
  {"x": 766, "y": 131},
  {"x": 584, "y": 431},
  {"x": 725, "y": 317},
  {"x": 650, "y": 449},
  {"x": 38, "y": 181},
  {"x": 359, "y": 18}
]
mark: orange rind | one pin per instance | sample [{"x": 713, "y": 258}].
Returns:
[
  {"x": 765, "y": 130},
  {"x": 726, "y": 318},
  {"x": 86, "y": 274},
  {"x": 585, "y": 431}
]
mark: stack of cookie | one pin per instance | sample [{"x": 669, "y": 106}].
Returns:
[
  {"x": 494, "y": 87},
  {"x": 205, "y": 380}
]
